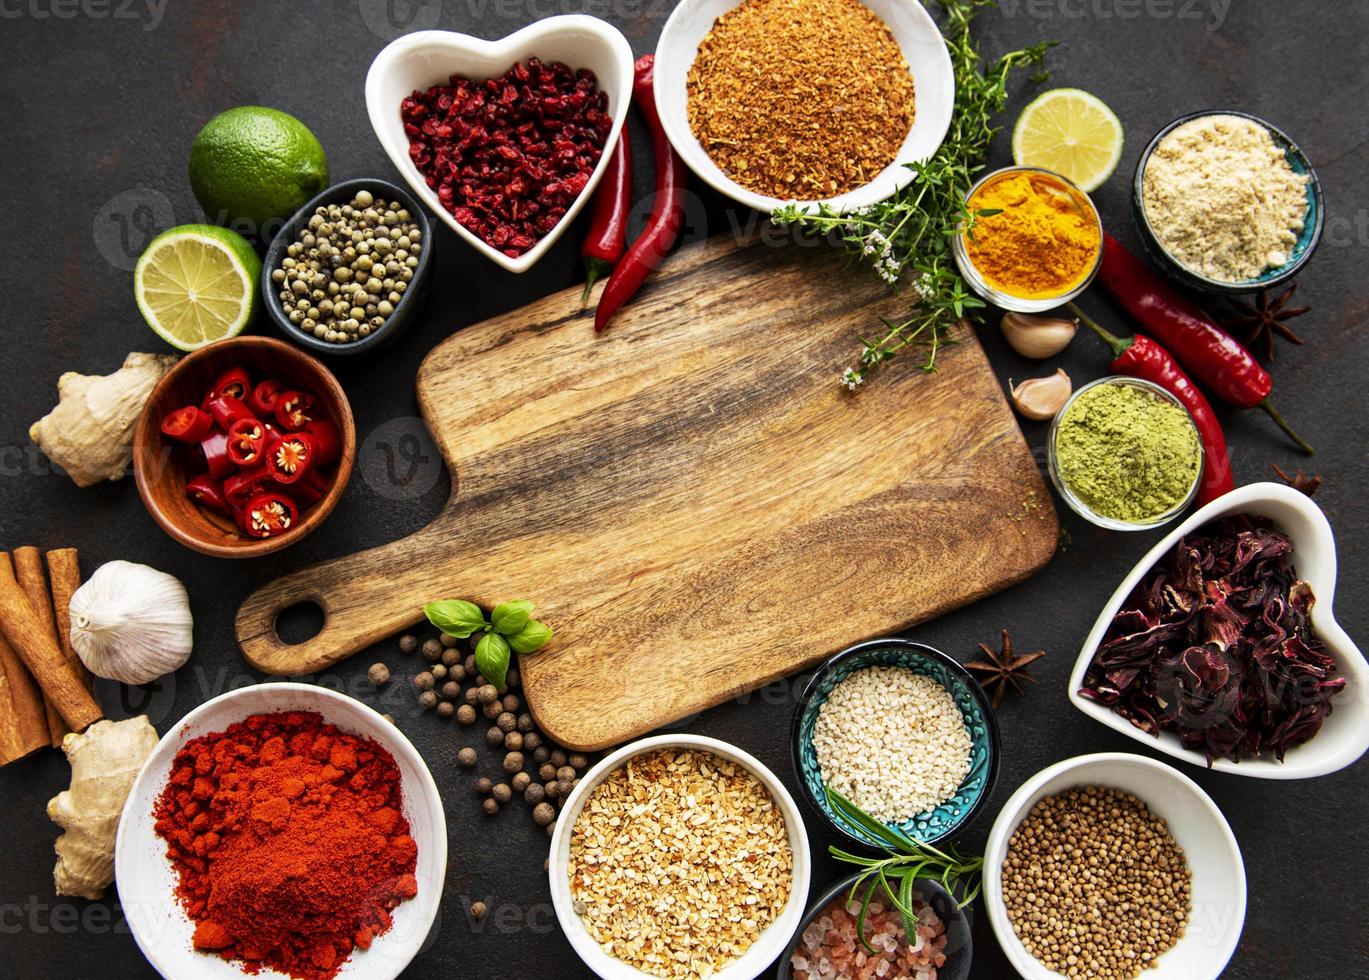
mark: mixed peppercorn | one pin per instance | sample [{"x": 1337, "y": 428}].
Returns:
[
  {"x": 508, "y": 156},
  {"x": 258, "y": 454}
]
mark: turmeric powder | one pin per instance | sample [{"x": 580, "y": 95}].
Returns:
[{"x": 1043, "y": 241}]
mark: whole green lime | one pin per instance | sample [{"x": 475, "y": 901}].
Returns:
[{"x": 252, "y": 167}]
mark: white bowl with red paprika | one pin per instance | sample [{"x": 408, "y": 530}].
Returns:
[
  {"x": 504, "y": 140},
  {"x": 244, "y": 447}
]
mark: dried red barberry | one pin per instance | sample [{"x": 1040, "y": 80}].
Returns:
[{"x": 508, "y": 156}]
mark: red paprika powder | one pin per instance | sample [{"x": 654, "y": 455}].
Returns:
[{"x": 289, "y": 841}]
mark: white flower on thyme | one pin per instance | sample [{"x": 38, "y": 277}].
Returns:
[
  {"x": 851, "y": 379},
  {"x": 925, "y": 287},
  {"x": 869, "y": 355}
]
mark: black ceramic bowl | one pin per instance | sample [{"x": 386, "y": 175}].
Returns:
[
  {"x": 951, "y": 817},
  {"x": 959, "y": 941},
  {"x": 408, "y": 304},
  {"x": 1313, "y": 218}
]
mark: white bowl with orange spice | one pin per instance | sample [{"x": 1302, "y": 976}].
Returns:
[
  {"x": 1033, "y": 241},
  {"x": 679, "y": 836},
  {"x": 799, "y": 90}
]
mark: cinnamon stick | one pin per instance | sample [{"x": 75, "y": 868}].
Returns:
[
  {"x": 25, "y": 717},
  {"x": 37, "y": 647},
  {"x": 28, "y": 570},
  {"x": 64, "y": 572}
]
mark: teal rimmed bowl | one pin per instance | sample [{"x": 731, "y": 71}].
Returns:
[
  {"x": 1313, "y": 218},
  {"x": 972, "y": 796}
]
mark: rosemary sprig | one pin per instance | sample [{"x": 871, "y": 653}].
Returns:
[
  {"x": 911, "y": 231},
  {"x": 906, "y": 860}
]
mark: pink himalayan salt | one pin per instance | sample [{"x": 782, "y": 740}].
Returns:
[{"x": 829, "y": 948}]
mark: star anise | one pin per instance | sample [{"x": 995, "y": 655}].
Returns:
[
  {"x": 1003, "y": 669},
  {"x": 1300, "y": 482},
  {"x": 1258, "y": 323}
]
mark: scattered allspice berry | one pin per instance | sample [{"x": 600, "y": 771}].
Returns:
[
  {"x": 564, "y": 787},
  {"x": 540, "y": 754},
  {"x": 439, "y": 672},
  {"x": 452, "y": 658},
  {"x": 432, "y": 650},
  {"x": 490, "y": 806},
  {"x": 424, "y": 681},
  {"x": 469, "y": 664},
  {"x": 378, "y": 675},
  {"x": 525, "y": 723},
  {"x": 488, "y": 694},
  {"x": 451, "y": 690},
  {"x": 513, "y": 762},
  {"x": 494, "y": 737},
  {"x": 465, "y": 714},
  {"x": 445, "y": 709},
  {"x": 506, "y": 721},
  {"x": 483, "y": 785},
  {"x": 521, "y": 781},
  {"x": 558, "y": 758},
  {"x": 565, "y": 773},
  {"x": 547, "y": 772},
  {"x": 466, "y": 757},
  {"x": 492, "y": 710},
  {"x": 532, "y": 741},
  {"x": 513, "y": 741},
  {"x": 511, "y": 702},
  {"x": 512, "y": 678},
  {"x": 578, "y": 760},
  {"x": 502, "y": 793},
  {"x": 448, "y": 641},
  {"x": 427, "y": 700},
  {"x": 543, "y": 814},
  {"x": 408, "y": 644},
  {"x": 477, "y": 910},
  {"x": 534, "y": 794},
  {"x": 472, "y": 696}
]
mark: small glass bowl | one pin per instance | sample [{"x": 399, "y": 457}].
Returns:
[
  {"x": 1021, "y": 304},
  {"x": 1082, "y": 509}
]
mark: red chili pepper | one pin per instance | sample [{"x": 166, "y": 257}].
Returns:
[
  {"x": 237, "y": 490},
  {"x": 264, "y": 397},
  {"x": 187, "y": 424},
  {"x": 312, "y": 488},
  {"x": 269, "y": 515},
  {"x": 292, "y": 410},
  {"x": 215, "y": 449},
  {"x": 327, "y": 442},
  {"x": 228, "y": 410},
  {"x": 1141, "y": 357},
  {"x": 290, "y": 457},
  {"x": 667, "y": 217},
  {"x": 246, "y": 442},
  {"x": 607, "y": 238},
  {"x": 1215, "y": 357},
  {"x": 208, "y": 494},
  {"x": 233, "y": 383}
]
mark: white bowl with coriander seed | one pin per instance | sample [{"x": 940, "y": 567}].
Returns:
[
  {"x": 672, "y": 787},
  {"x": 1214, "y": 888},
  {"x": 751, "y": 178}
]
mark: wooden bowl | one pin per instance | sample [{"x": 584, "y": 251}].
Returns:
[{"x": 158, "y": 467}]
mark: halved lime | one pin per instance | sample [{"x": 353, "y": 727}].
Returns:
[
  {"x": 1071, "y": 132},
  {"x": 196, "y": 284}
]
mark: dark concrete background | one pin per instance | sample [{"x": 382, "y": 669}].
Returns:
[{"x": 101, "y": 103}]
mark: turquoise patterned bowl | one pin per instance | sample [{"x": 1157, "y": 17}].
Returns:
[{"x": 957, "y": 812}]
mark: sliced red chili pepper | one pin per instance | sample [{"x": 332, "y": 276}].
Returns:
[
  {"x": 187, "y": 424},
  {"x": 312, "y": 488},
  {"x": 228, "y": 410},
  {"x": 240, "y": 488},
  {"x": 290, "y": 457},
  {"x": 246, "y": 442},
  {"x": 1141, "y": 357},
  {"x": 327, "y": 442},
  {"x": 215, "y": 449},
  {"x": 264, "y": 397},
  {"x": 269, "y": 515},
  {"x": 233, "y": 383},
  {"x": 292, "y": 410},
  {"x": 208, "y": 494}
]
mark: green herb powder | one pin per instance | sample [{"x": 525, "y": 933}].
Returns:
[{"x": 1127, "y": 453}]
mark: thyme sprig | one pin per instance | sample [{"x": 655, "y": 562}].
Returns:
[
  {"x": 910, "y": 233},
  {"x": 906, "y": 860}
]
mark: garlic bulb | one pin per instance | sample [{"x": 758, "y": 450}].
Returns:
[
  {"x": 1038, "y": 336},
  {"x": 1041, "y": 398},
  {"x": 131, "y": 623}
]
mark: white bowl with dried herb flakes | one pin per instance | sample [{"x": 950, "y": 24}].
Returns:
[
  {"x": 774, "y": 102},
  {"x": 679, "y": 856},
  {"x": 1207, "y": 880}
]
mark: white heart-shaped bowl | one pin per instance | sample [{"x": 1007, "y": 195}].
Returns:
[
  {"x": 773, "y": 941},
  {"x": 1345, "y": 735},
  {"x": 147, "y": 881},
  {"x": 923, "y": 48},
  {"x": 426, "y": 58},
  {"x": 1218, "y": 892}
]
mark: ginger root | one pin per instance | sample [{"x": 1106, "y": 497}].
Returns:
[
  {"x": 104, "y": 762},
  {"x": 89, "y": 434}
]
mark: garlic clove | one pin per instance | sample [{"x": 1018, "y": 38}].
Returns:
[
  {"x": 1038, "y": 336},
  {"x": 1040, "y": 399}
]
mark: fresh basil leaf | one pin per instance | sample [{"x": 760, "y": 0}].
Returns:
[
  {"x": 455, "y": 617},
  {"x": 509, "y": 618},
  {"x": 492, "y": 658},
  {"x": 532, "y": 637}
]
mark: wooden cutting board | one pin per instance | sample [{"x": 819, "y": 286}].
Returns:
[{"x": 692, "y": 500}]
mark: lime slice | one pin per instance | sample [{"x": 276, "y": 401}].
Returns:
[
  {"x": 196, "y": 284},
  {"x": 1071, "y": 132}
]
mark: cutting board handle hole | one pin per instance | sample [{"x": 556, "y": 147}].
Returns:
[{"x": 300, "y": 622}]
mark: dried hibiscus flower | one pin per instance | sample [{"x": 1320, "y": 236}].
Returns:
[{"x": 1215, "y": 644}]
